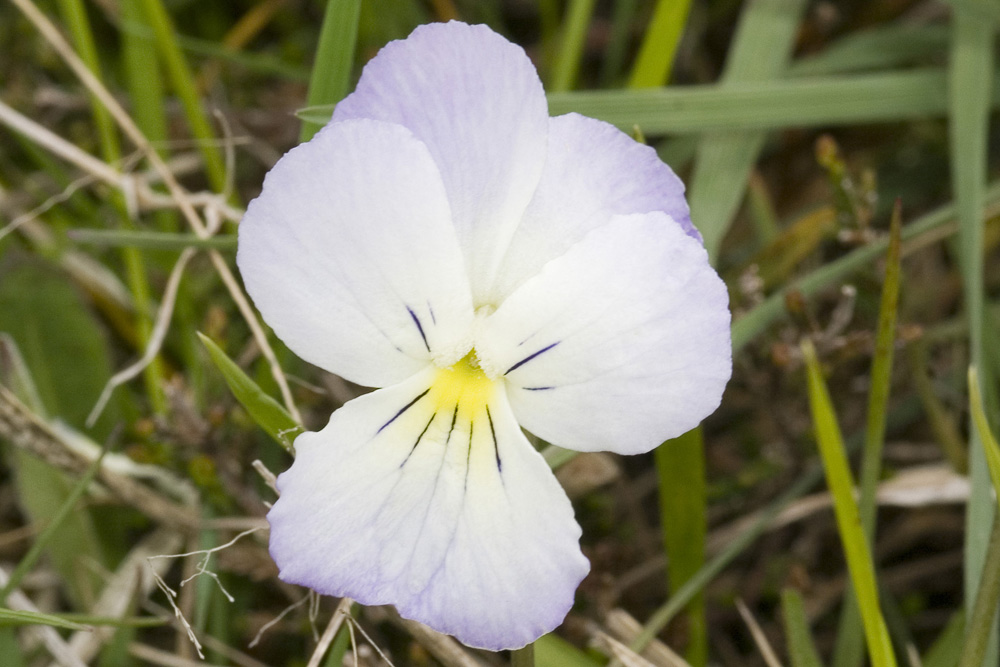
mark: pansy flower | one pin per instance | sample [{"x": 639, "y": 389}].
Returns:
[{"x": 489, "y": 268}]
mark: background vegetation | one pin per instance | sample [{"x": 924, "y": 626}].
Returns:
[{"x": 838, "y": 508}]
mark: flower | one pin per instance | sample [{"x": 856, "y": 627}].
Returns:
[{"x": 490, "y": 268}]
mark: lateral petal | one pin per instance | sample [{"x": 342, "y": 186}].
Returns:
[
  {"x": 350, "y": 255},
  {"x": 477, "y": 103},
  {"x": 593, "y": 171},
  {"x": 427, "y": 495},
  {"x": 619, "y": 344}
]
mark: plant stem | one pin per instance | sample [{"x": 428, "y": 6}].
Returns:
[
  {"x": 978, "y": 632},
  {"x": 523, "y": 657}
]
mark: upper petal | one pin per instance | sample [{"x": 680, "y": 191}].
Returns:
[
  {"x": 619, "y": 344},
  {"x": 350, "y": 255},
  {"x": 426, "y": 495},
  {"x": 476, "y": 101},
  {"x": 593, "y": 171}
]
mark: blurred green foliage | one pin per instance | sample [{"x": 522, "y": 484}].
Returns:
[{"x": 796, "y": 126}]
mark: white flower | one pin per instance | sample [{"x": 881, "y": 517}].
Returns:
[{"x": 490, "y": 268}]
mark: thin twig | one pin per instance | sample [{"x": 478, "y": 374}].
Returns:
[
  {"x": 277, "y": 619},
  {"x": 99, "y": 91},
  {"x": 354, "y": 624},
  {"x": 21, "y": 427},
  {"x": 138, "y": 186},
  {"x": 155, "y": 656},
  {"x": 255, "y": 328},
  {"x": 203, "y": 564},
  {"x": 269, "y": 477},
  {"x": 156, "y": 337},
  {"x": 56, "y": 144},
  {"x": 229, "y": 145},
  {"x": 622, "y": 653},
  {"x": 46, "y": 205},
  {"x": 354, "y": 644},
  {"x": 232, "y": 655},
  {"x": 342, "y": 612},
  {"x": 624, "y": 628},
  {"x": 444, "y": 648},
  {"x": 170, "y": 594},
  {"x": 763, "y": 645}
]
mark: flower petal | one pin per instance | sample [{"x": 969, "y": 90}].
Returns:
[
  {"x": 619, "y": 344},
  {"x": 427, "y": 495},
  {"x": 350, "y": 256},
  {"x": 476, "y": 101},
  {"x": 593, "y": 171}
]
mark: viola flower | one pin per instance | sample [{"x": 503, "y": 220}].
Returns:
[{"x": 490, "y": 268}]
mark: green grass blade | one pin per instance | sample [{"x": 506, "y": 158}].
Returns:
[
  {"x": 991, "y": 448},
  {"x": 760, "y": 51},
  {"x": 11, "y": 654},
  {"x": 856, "y": 549},
  {"x": 331, "y": 73},
  {"x": 114, "y": 622},
  {"x": 557, "y": 457},
  {"x": 828, "y": 101},
  {"x": 761, "y": 209},
  {"x": 881, "y": 48},
  {"x": 656, "y": 55},
  {"x": 981, "y": 623},
  {"x": 182, "y": 81},
  {"x": 943, "y": 423},
  {"x": 849, "y": 650},
  {"x": 796, "y": 102},
  {"x": 141, "y": 67},
  {"x": 15, "y": 375},
  {"x": 318, "y": 115},
  {"x": 150, "y": 240},
  {"x": 12, "y": 617},
  {"x": 548, "y": 19},
  {"x": 620, "y": 41},
  {"x": 338, "y": 649},
  {"x": 144, "y": 81},
  {"x": 75, "y": 15},
  {"x": 342, "y": 640},
  {"x": 29, "y": 560},
  {"x": 971, "y": 73},
  {"x": 801, "y": 649},
  {"x": 981, "y": 629},
  {"x": 680, "y": 467},
  {"x": 947, "y": 647},
  {"x": 574, "y": 35},
  {"x": 267, "y": 412}
]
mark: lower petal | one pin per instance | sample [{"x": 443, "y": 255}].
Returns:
[{"x": 426, "y": 495}]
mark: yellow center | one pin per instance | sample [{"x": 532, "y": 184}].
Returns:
[{"x": 464, "y": 385}]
